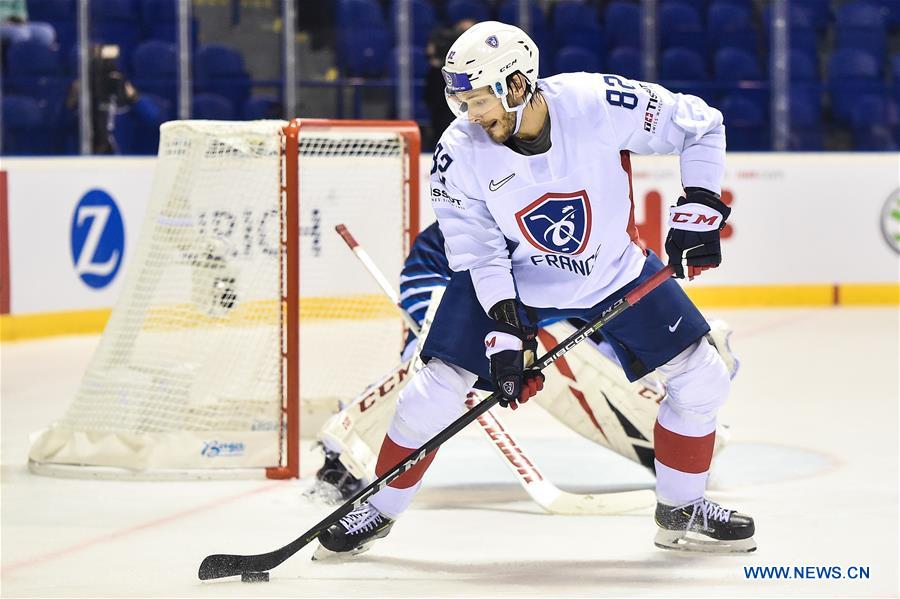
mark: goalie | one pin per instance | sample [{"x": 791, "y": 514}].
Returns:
[{"x": 589, "y": 393}]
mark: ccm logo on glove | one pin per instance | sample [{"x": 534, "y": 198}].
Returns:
[{"x": 693, "y": 240}]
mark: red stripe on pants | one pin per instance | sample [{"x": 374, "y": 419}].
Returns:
[
  {"x": 391, "y": 454},
  {"x": 685, "y": 454}
]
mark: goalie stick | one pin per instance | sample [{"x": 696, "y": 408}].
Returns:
[
  {"x": 222, "y": 565},
  {"x": 542, "y": 491}
]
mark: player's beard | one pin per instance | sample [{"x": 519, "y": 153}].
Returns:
[{"x": 501, "y": 129}]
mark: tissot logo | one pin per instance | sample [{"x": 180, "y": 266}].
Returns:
[
  {"x": 97, "y": 239},
  {"x": 558, "y": 223}
]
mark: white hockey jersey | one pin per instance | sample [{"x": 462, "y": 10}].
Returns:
[{"x": 568, "y": 212}]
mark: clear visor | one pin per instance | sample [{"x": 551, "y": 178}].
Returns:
[{"x": 473, "y": 104}]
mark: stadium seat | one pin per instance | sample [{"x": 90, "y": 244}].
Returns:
[
  {"x": 681, "y": 26},
  {"x": 262, "y": 107},
  {"x": 895, "y": 76},
  {"x": 422, "y": 20},
  {"x": 852, "y": 74},
  {"x": 746, "y": 124},
  {"x": 626, "y": 62},
  {"x": 213, "y": 107},
  {"x": 684, "y": 71},
  {"x": 872, "y": 122},
  {"x": 509, "y": 13},
  {"x": 623, "y": 24},
  {"x": 863, "y": 26},
  {"x": 160, "y": 21},
  {"x": 818, "y": 12},
  {"x": 573, "y": 59},
  {"x": 24, "y": 130},
  {"x": 698, "y": 5},
  {"x": 806, "y": 128},
  {"x": 352, "y": 14},
  {"x": 729, "y": 25},
  {"x": 364, "y": 52},
  {"x": 116, "y": 22},
  {"x": 576, "y": 24},
  {"x": 459, "y": 10},
  {"x": 738, "y": 73},
  {"x": 61, "y": 15},
  {"x": 219, "y": 69},
  {"x": 155, "y": 68},
  {"x": 33, "y": 69}
]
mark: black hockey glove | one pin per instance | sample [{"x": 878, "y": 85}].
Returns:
[
  {"x": 694, "y": 226},
  {"x": 510, "y": 347}
]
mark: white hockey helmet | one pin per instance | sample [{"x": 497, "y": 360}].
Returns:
[{"x": 484, "y": 56}]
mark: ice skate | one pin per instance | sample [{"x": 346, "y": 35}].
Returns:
[
  {"x": 334, "y": 483},
  {"x": 353, "y": 534},
  {"x": 703, "y": 526}
]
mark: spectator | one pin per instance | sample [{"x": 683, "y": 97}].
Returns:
[
  {"x": 14, "y": 25},
  {"x": 438, "y": 45}
]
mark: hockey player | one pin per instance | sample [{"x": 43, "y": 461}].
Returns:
[
  {"x": 531, "y": 187},
  {"x": 590, "y": 394}
]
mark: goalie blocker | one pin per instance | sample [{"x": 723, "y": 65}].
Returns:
[{"x": 589, "y": 393}]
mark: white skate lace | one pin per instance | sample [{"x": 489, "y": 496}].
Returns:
[
  {"x": 709, "y": 510},
  {"x": 363, "y": 518}
]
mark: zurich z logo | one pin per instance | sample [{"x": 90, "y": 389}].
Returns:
[
  {"x": 558, "y": 223},
  {"x": 97, "y": 239}
]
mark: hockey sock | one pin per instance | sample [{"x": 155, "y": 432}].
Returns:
[
  {"x": 396, "y": 497},
  {"x": 682, "y": 465}
]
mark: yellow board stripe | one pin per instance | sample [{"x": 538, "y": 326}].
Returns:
[{"x": 30, "y": 326}]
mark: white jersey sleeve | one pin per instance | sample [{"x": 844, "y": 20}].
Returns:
[
  {"x": 649, "y": 119},
  {"x": 472, "y": 239}
]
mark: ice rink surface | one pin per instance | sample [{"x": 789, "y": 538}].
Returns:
[{"x": 813, "y": 457}]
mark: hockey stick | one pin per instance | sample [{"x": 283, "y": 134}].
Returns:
[
  {"x": 542, "y": 491},
  {"x": 222, "y": 565}
]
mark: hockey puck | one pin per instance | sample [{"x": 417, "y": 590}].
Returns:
[{"x": 255, "y": 577}]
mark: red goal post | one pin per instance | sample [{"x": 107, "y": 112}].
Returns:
[{"x": 409, "y": 132}]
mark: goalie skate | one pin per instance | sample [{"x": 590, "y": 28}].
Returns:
[
  {"x": 353, "y": 534},
  {"x": 703, "y": 526}
]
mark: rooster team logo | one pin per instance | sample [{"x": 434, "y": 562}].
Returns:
[{"x": 558, "y": 223}]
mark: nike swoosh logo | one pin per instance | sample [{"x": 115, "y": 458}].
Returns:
[
  {"x": 675, "y": 326},
  {"x": 495, "y": 186}
]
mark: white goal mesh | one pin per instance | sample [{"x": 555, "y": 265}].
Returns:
[{"x": 190, "y": 371}]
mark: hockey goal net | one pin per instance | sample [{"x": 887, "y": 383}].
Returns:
[{"x": 241, "y": 305}]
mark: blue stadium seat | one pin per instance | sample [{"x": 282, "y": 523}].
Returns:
[
  {"x": 573, "y": 59},
  {"x": 213, "y": 107},
  {"x": 806, "y": 127},
  {"x": 25, "y": 131},
  {"x": 681, "y": 26},
  {"x": 34, "y": 70},
  {"x": 539, "y": 30},
  {"x": 626, "y": 62},
  {"x": 423, "y": 19},
  {"x": 803, "y": 66},
  {"x": 895, "y": 76},
  {"x": 732, "y": 64},
  {"x": 698, "y": 5},
  {"x": 863, "y": 26},
  {"x": 806, "y": 87},
  {"x": 160, "y": 21},
  {"x": 746, "y": 124},
  {"x": 262, "y": 107},
  {"x": 684, "y": 71},
  {"x": 116, "y": 22},
  {"x": 351, "y": 14},
  {"x": 61, "y": 14},
  {"x": 872, "y": 121},
  {"x": 623, "y": 24},
  {"x": 576, "y": 24},
  {"x": 818, "y": 12},
  {"x": 364, "y": 52},
  {"x": 219, "y": 69},
  {"x": 458, "y": 10},
  {"x": 155, "y": 68},
  {"x": 730, "y": 25},
  {"x": 852, "y": 74}
]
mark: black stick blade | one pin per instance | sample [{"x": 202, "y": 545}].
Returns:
[{"x": 221, "y": 565}]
